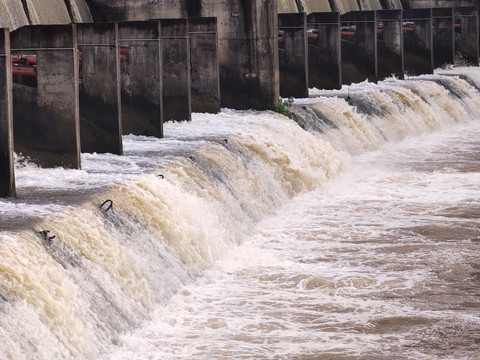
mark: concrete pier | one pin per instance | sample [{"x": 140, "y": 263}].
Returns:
[
  {"x": 390, "y": 44},
  {"x": 205, "y": 71},
  {"x": 100, "y": 115},
  {"x": 141, "y": 73},
  {"x": 324, "y": 50},
  {"x": 7, "y": 168},
  {"x": 293, "y": 59},
  {"x": 359, "y": 47},
  {"x": 46, "y": 111},
  {"x": 443, "y": 36},
  {"x": 176, "y": 70},
  {"x": 418, "y": 41},
  {"x": 466, "y": 35}
]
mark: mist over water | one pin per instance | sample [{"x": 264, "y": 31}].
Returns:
[{"x": 351, "y": 233}]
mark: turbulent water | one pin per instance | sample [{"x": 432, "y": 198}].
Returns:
[{"x": 350, "y": 233}]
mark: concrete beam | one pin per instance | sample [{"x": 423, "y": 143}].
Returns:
[
  {"x": 359, "y": 47},
  {"x": 204, "y": 72},
  {"x": 7, "y": 168},
  {"x": 176, "y": 70},
  {"x": 141, "y": 72},
  {"x": 324, "y": 50},
  {"x": 390, "y": 44},
  {"x": 100, "y": 114},
  {"x": 466, "y": 35},
  {"x": 443, "y": 36},
  {"x": 293, "y": 59},
  {"x": 46, "y": 111},
  {"x": 418, "y": 41}
]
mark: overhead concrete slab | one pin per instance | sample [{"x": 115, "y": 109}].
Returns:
[{"x": 12, "y": 14}]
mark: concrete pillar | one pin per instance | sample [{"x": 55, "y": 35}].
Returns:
[
  {"x": 443, "y": 36},
  {"x": 204, "y": 66},
  {"x": 324, "y": 50},
  {"x": 100, "y": 115},
  {"x": 390, "y": 43},
  {"x": 46, "y": 112},
  {"x": 466, "y": 35},
  {"x": 176, "y": 69},
  {"x": 293, "y": 61},
  {"x": 7, "y": 172},
  {"x": 418, "y": 41},
  {"x": 359, "y": 47},
  {"x": 141, "y": 72},
  {"x": 248, "y": 50}
]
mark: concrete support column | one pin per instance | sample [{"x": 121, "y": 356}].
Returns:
[
  {"x": 248, "y": 51},
  {"x": 293, "y": 61},
  {"x": 418, "y": 41},
  {"x": 142, "y": 78},
  {"x": 466, "y": 35},
  {"x": 204, "y": 65},
  {"x": 46, "y": 111},
  {"x": 7, "y": 172},
  {"x": 324, "y": 50},
  {"x": 359, "y": 47},
  {"x": 443, "y": 36},
  {"x": 100, "y": 115},
  {"x": 176, "y": 70},
  {"x": 390, "y": 43}
]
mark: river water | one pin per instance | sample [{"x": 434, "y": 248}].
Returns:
[{"x": 243, "y": 235}]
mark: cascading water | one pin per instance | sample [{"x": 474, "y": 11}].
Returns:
[{"x": 248, "y": 235}]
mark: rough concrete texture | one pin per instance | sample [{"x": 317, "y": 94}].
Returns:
[
  {"x": 79, "y": 11},
  {"x": 247, "y": 37},
  {"x": 311, "y": 6},
  {"x": 48, "y": 12},
  {"x": 466, "y": 40},
  {"x": 418, "y": 44},
  {"x": 204, "y": 72},
  {"x": 443, "y": 36},
  {"x": 46, "y": 116},
  {"x": 141, "y": 74},
  {"x": 100, "y": 115},
  {"x": 12, "y": 14},
  {"x": 324, "y": 51},
  {"x": 293, "y": 59},
  {"x": 287, "y": 6},
  {"x": 176, "y": 70},
  {"x": 359, "y": 52},
  {"x": 7, "y": 172},
  {"x": 390, "y": 44}
]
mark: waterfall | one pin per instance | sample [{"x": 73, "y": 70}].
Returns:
[{"x": 75, "y": 275}]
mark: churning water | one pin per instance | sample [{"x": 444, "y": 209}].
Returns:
[{"x": 352, "y": 233}]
